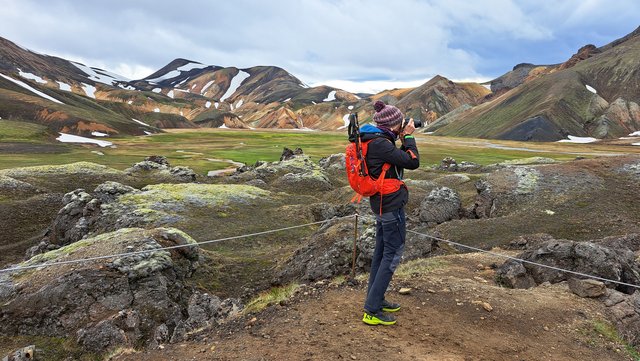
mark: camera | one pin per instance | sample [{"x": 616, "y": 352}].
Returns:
[{"x": 416, "y": 122}]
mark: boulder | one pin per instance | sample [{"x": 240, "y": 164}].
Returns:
[
  {"x": 10, "y": 186},
  {"x": 158, "y": 159},
  {"x": 183, "y": 174},
  {"x": 323, "y": 211},
  {"x": 75, "y": 219},
  {"x": 335, "y": 162},
  {"x": 297, "y": 172},
  {"x": 204, "y": 310},
  {"x": 288, "y": 154},
  {"x": 515, "y": 276},
  {"x": 109, "y": 191},
  {"x": 484, "y": 205},
  {"x": 584, "y": 257},
  {"x": 448, "y": 164},
  {"x": 114, "y": 206},
  {"x": 587, "y": 288},
  {"x": 106, "y": 303},
  {"x": 329, "y": 252},
  {"x": 312, "y": 181},
  {"x": 158, "y": 167},
  {"x": 469, "y": 167},
  {"x": 441, "y": 205}
]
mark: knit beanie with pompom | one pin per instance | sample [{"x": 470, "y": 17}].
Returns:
[{"x": 387, "y": 116}]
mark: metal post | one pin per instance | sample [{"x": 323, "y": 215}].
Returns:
[{"x": 355, "y": 239}]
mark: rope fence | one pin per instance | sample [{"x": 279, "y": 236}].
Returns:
[
  {"x": 133, "y": 253},
  {"x": 457, "y": 244}
]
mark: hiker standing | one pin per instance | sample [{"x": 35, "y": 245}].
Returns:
[{"x": 388, "y": 205}]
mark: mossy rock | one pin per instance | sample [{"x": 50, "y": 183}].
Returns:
[
  {"x": 177, "y": 196},
  {"x": 87, "y": 168},
  {"x": 529, "y": 161}
]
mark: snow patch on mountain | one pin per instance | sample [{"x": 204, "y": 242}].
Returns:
[
  {"x": 157, "y": 110},
  {"x": 29, "y": 88},
  {"x": 216, "y": 104},
  {"x": 191, "y": 66},
  {"x": 591, "y": 89},
  {"x": 100, "y": 76},
  {"x": 90, "y": 90},
  {"x": 331, "y": 96},
  {"x": 170, "y": 75},
  {"x": 99, "y": 134},
  {"x": 239, "y": 103},
  {"x": 635, "y": 134},
  {"x": 70, "y": 138},
  {"x": 208, "y": 104},
  {"x": 141, "y": 123},
  {"x": 64, "y": 86},
  {"x": 235, "y": 84},
  {"x": 345, "y": 119},
  {"x": 580, "y": 140},
  {"x": 156, "y": 90},
  {"x": 31, "y": 77},
  {"x": 170, "y": 94},
  {"x": 206, "y": 86}
]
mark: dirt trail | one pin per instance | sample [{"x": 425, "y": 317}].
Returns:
[{"x": 438, "y": 321}]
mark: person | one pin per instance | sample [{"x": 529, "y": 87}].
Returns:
[{"x": 388, "y": 208}]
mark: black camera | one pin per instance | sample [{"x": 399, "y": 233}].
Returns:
[{"x": 416, "y": 122}]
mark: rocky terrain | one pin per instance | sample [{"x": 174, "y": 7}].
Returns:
[{"x": 579, "y": 215}]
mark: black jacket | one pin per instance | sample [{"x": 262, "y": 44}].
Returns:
[{"x": 382, "y": 149}]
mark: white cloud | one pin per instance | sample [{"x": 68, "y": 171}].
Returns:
[{"x": 316, "y": 40}]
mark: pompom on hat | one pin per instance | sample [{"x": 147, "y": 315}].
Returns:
[{"x": 387, "y": 116}]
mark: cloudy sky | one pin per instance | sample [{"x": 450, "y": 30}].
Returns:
[{"x": 358, "y": 45}]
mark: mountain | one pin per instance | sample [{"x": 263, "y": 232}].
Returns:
[
  {"x": 594, "y": 93},
  {"x": 70, "y": 97},
  {"x": 435, "y": 98}
]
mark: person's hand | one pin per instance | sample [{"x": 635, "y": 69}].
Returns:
[{"x": 409, "y": 128}]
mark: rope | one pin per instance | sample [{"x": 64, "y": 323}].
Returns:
[
  {"x": 81, "y": 260},
  {"x": 525, "y": 261}
]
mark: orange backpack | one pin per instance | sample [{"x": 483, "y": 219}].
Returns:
[{"x": 357, "y": 173}]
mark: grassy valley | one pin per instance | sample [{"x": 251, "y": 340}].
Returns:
[{"x": 207, "y": 149}]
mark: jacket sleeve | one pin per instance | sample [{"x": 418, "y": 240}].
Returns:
[{"x": 405, "y": 157}]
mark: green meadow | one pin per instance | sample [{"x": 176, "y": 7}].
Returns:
[{"x": 211, "y": 149}]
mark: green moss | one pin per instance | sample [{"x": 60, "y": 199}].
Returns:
[
  {"x": 271, "y": 297},
  {"x": 48, "y": 348},
  {"x": 609, "y": 332},
  {"x": 57, "y": 170},
  {"x": 159, "y": 196},
  {"x": 529, "y": 161},
  {"x": 56, "y": 253},
  {"x": 419, "y": 267}
]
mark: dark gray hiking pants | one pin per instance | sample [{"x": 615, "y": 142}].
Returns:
[{"x": 390, "y": 235}]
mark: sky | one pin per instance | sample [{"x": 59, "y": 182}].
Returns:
[{"x": 356, "y": 45}]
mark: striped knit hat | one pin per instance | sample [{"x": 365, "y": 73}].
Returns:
[{"x": 387, "y": 116}]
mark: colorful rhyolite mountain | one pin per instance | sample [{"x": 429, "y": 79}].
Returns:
[{"x": 594, "y": 93}]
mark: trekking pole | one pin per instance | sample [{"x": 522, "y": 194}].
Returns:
[{"x": 355, "y": 239}]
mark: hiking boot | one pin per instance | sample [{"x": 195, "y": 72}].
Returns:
[
  {"x": 378, "y": 318},
  {"x": 390, "y": 306}
]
